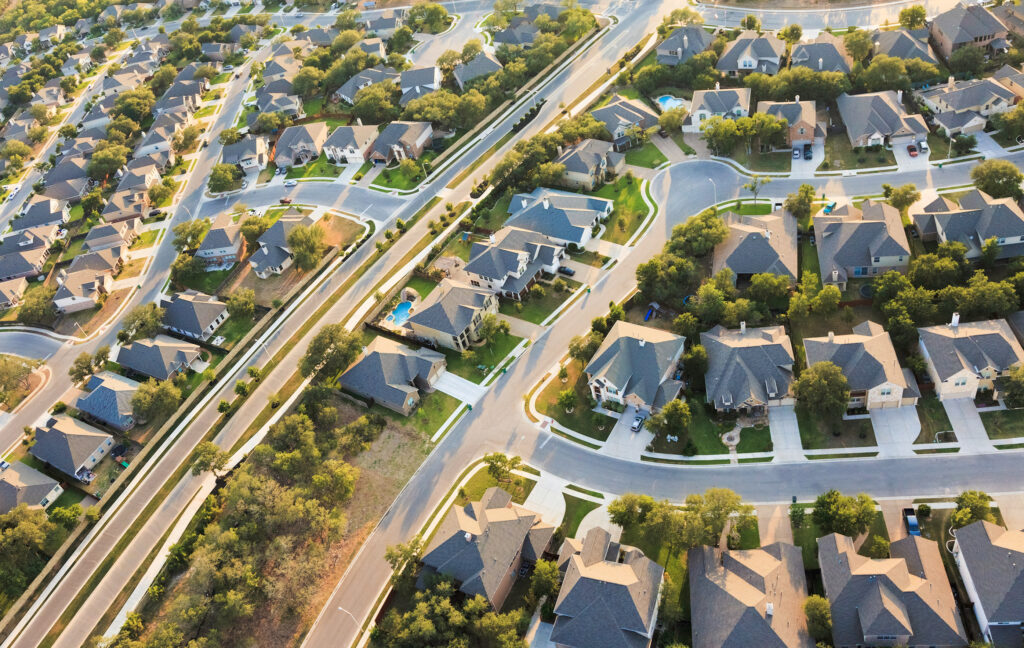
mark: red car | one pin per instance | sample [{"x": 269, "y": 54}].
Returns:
[
  {"x": 912, "y": 150},
  {"x": 286, "y": 201}
]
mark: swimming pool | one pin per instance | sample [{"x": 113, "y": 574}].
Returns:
[
  {"x": 400, "y": 314},
  {"x": 668, "y": 102}
]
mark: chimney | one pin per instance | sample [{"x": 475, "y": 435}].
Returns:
[
  {"x": 796, "y": 99},
  {"x": 743, "y": 327},
  {"x": 949, "y": 83},
  {"x": 490, "y": 239},
  {"x": 768, "y": 234},
  {"x": 831, "y": 336},
  {"x": 686, "y": 42},
  {"x": 718, "y": 85},
  {"x": 769, "y": 609},
  {"x": 547, "y": 204},
  {"x": 821, "y": 63},
  {"x": 560, "y": 150},
  {"x": 359, "y": 120},
  {"x": 642, "y": 342},
  {"x": 899, "y": 96},
  {"x": 835, "y": 275},
  {"x": 526, "y": 203},
  {"x": 469, "y": 537},
  {"x": 955, "y": 322}
]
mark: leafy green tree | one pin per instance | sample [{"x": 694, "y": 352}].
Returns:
[
  {"x": 307, "y": 246},
  {"x": 901, "y": 197},
  {"x": 791, "y": 33},
  {"x": 37, "y": 306},
  {"x": 722, "y": 135},
  {"x": 106, "y": 161},
  {"x": 672, "y": 419},
  {"x": 331, "y": 351},
  {"x": 843, "y": 514},
  {"x": 229, "y": 136},
  {"x": 545, "y": 580},
  {"x": 913, "y": 17},
  {"x": 672, "y": 119},
  {"x": 583, "y": 347},
  {"x": 878, "y": 547},
  {"x": 209, "y": 456},
  {"x": 967, "y": 60},
  {"x": 80, "y": 369},
  {"x": 185, "y": 268},
  {"x": 189, "y": 234},
  {"x": 972, "y": 506},
  {"x": 154, "y": 400},
  {"x": 307, "y": 81},
  {"x": 403, "y": 555},
  {"x": 822, "y": 389},
  {"x": 885, "y": 73},
  {"x": 630, "y": 509},
  {"x": 242, "y": 303},
  {"x": 224, "y": 177},
  {"x": 819, "y": 617},
  {"x": 858, "y": 44},
  {"x": 500, "y": 466},
  {"x": 143, "y": 321},
  {"x": 253, "y": 228},
  {"x": 799, "y": 202},
  {"x": 756, "y": 184},
  {"x": 998, "y": 178},
  {"x": 766, "y": 287},
  {"x": 698, "y": 236}
]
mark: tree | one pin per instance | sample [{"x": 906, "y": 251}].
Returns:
[
  {"x": 822, "y": 389},
  {"x": 307, "y": 81},
  {"x": 331, "y": 351},
  {"x": 567, "y": 400},
  {"x": 253, "y": 228},
  {"x": 964, "y": 144},
  {"x": 755, "y": 185},
  {"x": 185, "y": 139},
  {"x": 819, "y": 617},
  {"x": 209, "y": 456},
  {"x": 903, "y": 196},
  {"x": 698, "y": 236},
  {"x": 972, "y": 506},
  {"x": 162, "y": 79},
  {"x": 710, "y": 304},
  {"x": 967, "y": 60},
  {"x": 37, "y": 306},
  {"x": 143, "y": 321},
  {"x": 799, "y": 202},
  {"x": 695, "y": 363},
  {"x": 242, "y": 303},
  {"x": 826, "y": 302},
  {"x": 913, "y": 17},
  {"x": 307, "y": 246},
  {"x": 189, "y": 234},
  {"x": 858, "y": 44},
  {"x": 500, "y": 466},
  {"x": 878, "y": 547},
  {"x": 106, "y": 161},
  {"x": 885, "y": 73},
  {"x": 491, "y": 327},
  {"x": 721, "y": 134},
  {"x": 845, "y": 514},
  {"x": 224, "y": 177},
  {"x": 672, "y": 119},
  {"x": 400, "y": 556},
  {"x": 751, "y": 22},
  {"x": 583, "y": 347},
  {"x": 80, "y": 369},
  {"x": 229, "y": 136},
  {"x": 335, "y": 481},
  {"x": 113, "y": 37},
  {"x": 155, "y": 400},
  {"x": 185, "y": 268},
  {"x": 672, "y": 419},
  {"x": 630, "y": 509},
  {"x": 159, "y": 192},
  {"x": 791, "y": 33},
  {"x": 766, "y": 287},
  {"x": 998, "y": 178},
  {"x": 545, "y": 579},
  {"x": 1014, "y": 387},
  {"x": 377, "y": 102}
]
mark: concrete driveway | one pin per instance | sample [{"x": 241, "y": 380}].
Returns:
[
  {"x": 785, "y": 434},
  {"x": 892, "y": 512},
  {"x": 987, "y": 146},
  {"x": 895, "y": 430},
  {"x": 805, "y": 168},
  {"x": 460, "y": 388},
  {"x": 967, "y": 426},
  {"x": 773, "y": 524},
  {"x": 546, "y": 499},
  {"x": 1012, "y": 508},
  {"x": 623, "y": 442},
  {"x": 907, "y": 163}
]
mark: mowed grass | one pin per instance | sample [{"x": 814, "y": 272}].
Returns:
[
  {"x": 519, "y": 488},
  {"x": 647, "y": 155},
  {"x": 489, "y": 356},
  {"x": 537, "y": 309},
  {"x": 933, "y": 420},
  {"x": 816, "y": 434},
  {"x": 575, "y": 510},
  {"x": 581, "y": 419},
  {"x": 1004, "y": 424},
  {"x": 318, "y": 168},
  {"x": 629, "y": 211}
]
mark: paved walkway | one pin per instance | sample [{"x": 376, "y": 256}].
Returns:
[
  {"x": 460, "y": 388},
  {"x": 1012, "y": 508},
  {"x": 522, "y": 328},
  {"x": 773, "y": 524},
  {"x": 546, "y": 499},
  {"x": 623, "y": 442},
  {"x": 895, "y": 430},
  {"x": 785, "y": 434},
  {"x": 644, "y": 173},
  {"x": 669, "y": 148},
  {"x": 967, "y": 426},
  {"x": 599, "y": 518}
]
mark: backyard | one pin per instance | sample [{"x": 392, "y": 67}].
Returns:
[
  {"x": 208, "y": 282},
  {"x": 483, "y": 359},
  {"x": 433, "y": 410},
  {"x": 816, "y": 434},
  {"x": 497, "y": 215},
  {"x": 629, "y": 211},
  {"x": 840, "y": 155},
  {"x": 676, "y": 587},
  {"x": 581, "y": 419},
  {"x": 537, "y": 309}
]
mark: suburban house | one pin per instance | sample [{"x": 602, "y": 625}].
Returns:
[
  {"x": 109, "y": 400},
  {"x": 801, "y": 119},
  {"x": 450, "y": 316},
  {"x": 162, "y": 357},
  {"x": 620, "y": 116},
  {"x": 990, "y": 560},
  {"x": 373, "y": 46},
  {"x": 856, "y": 243},
  {"x": 564, "y": 217},
  {"x": 520, "y": 32},
  {"x": 905, "y": 600},
  {"x": 482, "y": 545},
  {"x": 71, "y": 446},
  {"x": 218, "y": 52},
  {"x": 589, "y": 163},
  {"x": 281, "y": 67},
  {"x": 965, "y": 106},
  {"x": 418, "y": 82},
  {"x": 512, "y": 260},
  {"x": 364, "y": 79},
  {"x": 636, "y": 366},
  {"x": 826, "y": 53},
  {"x": 879, "y": 118},
  {"x": 99, "y": 115},
  {"x": 748, "y": 598},
  {"x": 24, "y": 253},
  {"x": 400, "y": 140},
  {"x": 968, "y": 25},
  {"x": 247, "y": 153},
  {"x": 752, "y": 52},
  {"x": 42, "y": 212},
  {"x": 127, "y": 204},
  {"x": 23, "y": 484},
  {"x": 160, "y": 136},
  {"x": 12, "y": 291},
  {"x": 964, "y": 358},
  {"x": 391, "y": 374},
  {"x": 275, "y": 102},
  {"x": 480, "y": 66},
  {"x": 978, "y": 218},
  {"x": 274, "y": 256},
  {"x": 609, "y": 595},
  {"x": 350, "y": 144},
  {"x": 193, "y": 314},
  {"x": 758, "y": 244},
  {"x": 1011, "y": 78},
  {"x": 748, "y": 368},
  {"x": 868, "y": 360},
  {"x": 683, "y": 44},
  {"x": 222, "y": 246},
  {"x": 89, "y": 277},
  {"x": 111, "y": 235},
  {"x": 730, "y": 103},
  {"x": 385, "y": 24},
  {"x": 298, "y": 145}
]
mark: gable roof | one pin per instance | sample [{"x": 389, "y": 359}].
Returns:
[
  {"x": 109, "y": 399},
  {"x": 66, "y": 443},
  {"x": 970, "y": 346},
  {"x": 766, "y": 49},
  {"x": 498, "y": 257},
  {"x": 311, "y": 135},
  {"x": 866, "y": 356},
  {"x": 223, "y": 234},
  {"x": 585, "y": 156},
  {"x": 721, "y": 101},
  {"x": 191, "y": 311},
  {"x": 994, "y": 557},
  {"x": 450, "y": 308},
  {"x": 245, "y": 148},
  {"x": 851, "y": 237},
  {"x": 636, "y": 359},
  {"x": 969, "y": 94},
  {"x": 622, "y": 113},
  {"x": 825, "y": 53},
  {"x": 369, "y": 76},
  {"x": 560, "y": 215},
  {"x": 747, "y": 365},
  {"x": 23, "y": 484},
  {"x": 878, "y": 113},
  {"x": 793, "y": 112},
  {"x": 758, "y": 244},
  {"x": 965, "y": 22},
  {"x": 357, "y": 137},
  {"x": 399, "y": 133},
  {"x": 389, "y": 372},
  {"x": 158, "y": 357},
  {"x": 683, "y": 44},
  {"x": 481, "y": 65},
  {"x": 977, "y": 218}
]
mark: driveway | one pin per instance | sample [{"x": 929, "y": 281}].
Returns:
[
  {"x": 987, "y": 146},
  {"x": 967, "y": 426},
  {"x": 785, "y": 434},
  {"x": 585, "y": 273},
  {"x": 546, "y": 499},
  {"x": 907, "y": 163},
  {"x": 599, "y": 518},
  {"x": 1012, "y": 509},
  {"x": 773, "y": 524},
  {"x": 892, "y": 512},
  {"x": 895, "y": 430},
  {"x": 805, "y": 168},
  {"x": 460, "y": 388},
  {"x": 623, "y": 442}
]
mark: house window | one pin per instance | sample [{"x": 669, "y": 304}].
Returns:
[
  {"x": 960, "y": 382},
  {"x": 887, "y": 391},
  {"x": 876, "y": 260},
  {"x": 1001, "y": 240},
  {"x": 801, "y": 130}
]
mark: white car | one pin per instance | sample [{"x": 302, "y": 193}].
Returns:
[
  {"x": 638, "y": 423},
  {"x": 290, "y": 183}
]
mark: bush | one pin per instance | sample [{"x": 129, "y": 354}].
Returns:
[
  {"x": 59, "y": 407},
  {"x": 924, "y": 512}
]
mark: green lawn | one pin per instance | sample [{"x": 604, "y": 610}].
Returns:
[
  {"x": 840, "y": 155},
  {"x": 590, "y": 258},
  {"x": 478, "y": 484},
  {"x": 212, "y": 95},
  {"x": 69, "y": 497},
  {"x": 496, "y": 217},
  {"x": 629, "y": 211},
  {"x": 220, "y": 78},
  {"x": 318, "y": 168},
  {"x": 1004, "y": 424},
  {"x": 809, "y": 262},
  {"x": 536, "y": 310},
  {"x": 241, "y": 121},
  {"x": 750, "y": 538},
  {"x": 489, "y": 355},
  {"x": 234, "y": 329},
  {"x": 755, "y": 439},
  {"x": 313, "y": 106},
  {"x": 677, "y": 584},
  {"x": 145, "y": 240},
  {"x": 933, "y": 420},
  {"x": 422, "y": 286},
  {"x": 816, "y": 434},
  {"x": 678, "y": 138},
  {"x": 76, "y": 213},
  {"x": 581, "y": 419},
  {"x": 647, "y": 155},
  {"x": 433, "y": 410},
  {"x": 208, "y": 282},
  {"x": 73, "y": 250},
  {"x": 395, "y": 179},
  {"x": 205, "y": 111},
  {"x": 575, "y": 510},
  {"x": 460, "y": 248},
  {"x": 167, "y": 201},
  {"x": 757, "y": 161},
  {"x": 267, "y": 174},
  {"x": 705, "y": 432}
]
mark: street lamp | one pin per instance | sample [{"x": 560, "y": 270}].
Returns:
[
  {"x": 351, "y": 616},
  {"x": 715, "y": 187}
]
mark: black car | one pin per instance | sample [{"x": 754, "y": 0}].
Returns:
[
  {"x": 567, "y": 271},
  {"x": 807, "y": 152}
]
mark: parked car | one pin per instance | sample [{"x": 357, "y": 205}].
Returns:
[
  {"x": 910, "y": 519},
  {"x": 1020, "y": 139},
  {"x": 285, "y": 201},
  {"x": 912, "y": 150},
  {"x": 808, "y": 152},
  {"x": 638, "y": 423},
  {"x": 777, "y": 206},
  {"x": 228, "y": 68},
  {"x": 290, "y": 183},
  {"x": 796, "y": 152},
  {"x": 923, "y": 145},
  {"x": 566, "y": 270},
  {"x": 279, "y": 171}
]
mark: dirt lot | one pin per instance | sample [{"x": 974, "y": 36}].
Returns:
[{"x": 90, "y": 320}]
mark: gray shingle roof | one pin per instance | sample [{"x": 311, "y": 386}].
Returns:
[
  {"x": 520, "y": 34},
  {"x": 721, "y": 101},
  {"x": 826, "y": 53},
  {"x": 866, "y": 356},
  {"x": 191, "y": 311},
  {"x": 971, "y": 346},
  {"x": 586, "y": 156},
  {"x": 495, "y": 260},
  {"x": 358, "y": 137},
  {"x": 878, "y": 112},
  {"x": 851, "y": 237},
  {"x": 965, "y": 22},
  {"x": 978, "y": 218},
  {"x": 766, "y": 49},
  {"x": 247, "y": 147},
  {"x": 902, "y": 44},
  {"x": 994, "y": 557},
  {"x": 398, "y": 133},
  {"x": 450, "y": 308},
  {"x": 109, "y": 399},
  {"x": 683, "y": 44},
  {"x": 390, "y": 372},
  {"x": 44, "y": 211},
  {"x": 158, "y": 357},
  {"x": 636, "y": 359},
  {"x": 220, "y": 236},
  {"x": 66, "y": 443},
  {"x": 273, "y": 244},
  {"x": 969, "y": 94},
  {"x": 749, "y": 366},
  {"x": 758, "y": 244},
  {"x": 481, "y": 65},
  {"x": 23, "y": 484},
  {"x": 369, "y": 76},
  {"x": 311, "y": 135},
  {"x": 621, "y": 113},
  {"x": 560, "y": 215}
]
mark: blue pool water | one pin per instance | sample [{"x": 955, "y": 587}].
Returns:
[
  {"x": 668, "y": 102},
  {"x": 400, "y": 314}
]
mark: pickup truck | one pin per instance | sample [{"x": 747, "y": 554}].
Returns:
[{"x": 910, "y": 520}]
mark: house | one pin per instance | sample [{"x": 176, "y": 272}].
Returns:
[
  {"x": 609, "y": 595},
  {"x": 978, "y": 218},
  {"x": 519, "y": 33},
  {"x": 298, "y": 145},
  {"x": 69, "y": 180},
  {"x": 965, "y": 106},
  {"x": 85, "y": 282},
  {"x": 111, "y": 13},
  {"x": 364, "y": 79},
  {"x": 83, "y": 26},
  {"x": 247, "y": 153},
  {"x": 280, "y": 68},
  {"x": 968, "y": 25},
  {"x": 480, "y": 66},
  {"x": 373, "y": 47},
  {"x": 274, "y": 256},
  {"x": 965, "y": 358},
  {"x": 23, "y": 484},
  {"x": 127, "y": 204},
  {"x": 904, "y": 600},
  {"x": 238, "y": 32},
  {"x": 590, "y": 163},
  {"x": 392, "y": 375},
  {"x": 511, "y": 261},
  {"x": 482, "y": 545},
  {"x": 222, "y": 246},
  {"x": 18, "y": 127},
  {"x": 319, "y": 36},
  {"x": 561, "y": 216},
  {"x": 752, "y": 52},
  {"x": 111, "y": 235},
  {"x": 860, "y": 242},
  {"x": 385, "y": 23},
  {"x": 188, "y": 94},
  {"x": 42, "y": 212},
  {"x": 24, "y": 253},
  {"x": 757, "y": 245},
  {"x": 868, "y": 360},
  {"x": 748, "y": 598},
  {"x": 99, "y": 115},
  {"x": 218, "y": 52},
  {"x": 451, "y": 315},
  {"x": 904, "y": 44},
  {"x": 12, "y": 291},
  {"x": 418, "y": 82},
  {"x": 748, "y": 368},
  {"x": 108, "y": 400},
  {"x": 275, "y": 102},
  {"x": 193, "y": 314},
  {"x": 552, "y": 10},
  {"x": 50, "y": 36},
  {"x": 879, "y": 118},
  {"x": 161, "y": 357},
  {"x": 730, "y": 103},
  {"x": 50, "y": 96},
  {"x": 620, "y": 116},
  {"x": 1012, "y": 79},
  {"x": 826, "y": 53},
  {"x": 990, "y": 560},
  {"x": 160, "y": 136},
  {"x": 683, "y": 44},
  {"x": 636, "y": 366},
  {"x": 71, "y": 446},
  {"x": 801, "y": 119},
  {"x": 400, "y": 140},
  {"x": 349, "y": 144}
]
